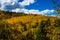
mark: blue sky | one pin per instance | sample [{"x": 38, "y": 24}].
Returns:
[
  {"x": 44, "y": 7},
  {"x": 41, "y": 5}
]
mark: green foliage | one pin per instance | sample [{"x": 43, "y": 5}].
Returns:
[
  {"x": 6, "y": 33},
  {"x": 44, "y": 28},
  {"x": 42, "y": 32}
]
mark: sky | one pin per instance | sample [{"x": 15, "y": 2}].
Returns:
[{"x": 44, "y": 7}]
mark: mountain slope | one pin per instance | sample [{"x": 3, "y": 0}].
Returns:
[{"x": 18, "y": 26}]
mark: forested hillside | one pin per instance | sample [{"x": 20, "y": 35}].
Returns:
[{"x": 20, "y": 26}]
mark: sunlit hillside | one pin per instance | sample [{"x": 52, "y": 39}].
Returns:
[{"x": 20, "y": 26}]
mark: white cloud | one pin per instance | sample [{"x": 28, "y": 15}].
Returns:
[
  {"x": 26, "y": 2},
  {"x": 13, "y": 4},
  {"x": 26, "y": 11},
  {"x": 7, "y": 2},
  {"x": 47, "y": 11},
  {"x": 16, "y": 10},
  {"x": 32, "y": 11}
]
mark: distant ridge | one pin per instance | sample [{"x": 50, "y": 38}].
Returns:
[{"x": 18, "y": 13}]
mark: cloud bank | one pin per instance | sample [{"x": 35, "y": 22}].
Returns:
[
  {"x": 26, "y": 2},
  {"x": 13, "y": 4},
  {"x": 16, "y": 6},
  {"x": 32, "y": 11}
]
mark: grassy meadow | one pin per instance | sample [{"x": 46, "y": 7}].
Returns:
[{"x": 20, "y": 26}]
